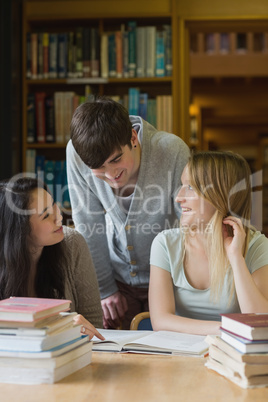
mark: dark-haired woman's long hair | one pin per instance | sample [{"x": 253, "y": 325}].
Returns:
[{"x": 15, "y": 257}]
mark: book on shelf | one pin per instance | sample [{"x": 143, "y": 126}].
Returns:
[
  {"x": 34, "y": 55},
  {"x": 40, "y": 58},
  {"x": 94, "y": 53},
  {"x": 244, "y": 345},
  {"x": 27, "y": 309},
  {"x": 131, "y": 26},
  {"x": 40, "y": 116},
  {"x": 28, "y": 55},
  {"x": 143, "y": 105},
  {"x": 125, "y": 52},
  {"x": 141, "y": 51},
  {"x": 79, "y": 52},
  {"x": 53, "y": 55},
  {"x": 31, "y": 118},
  {"x": 133, "y": 101},
  {"x": 111, "y": 55},
  {"x": 150, "y": 51},
  {"x": 168, "y": 49},
  {"x": 161, "y": 342},
  {"x": 50, "y": 119},
  {"x": 86, "y": 52},
  {"x": 62, "y": 55},
  {"x": 71, "y": 55},
  {"x": 119, "y": 53},
  {"x": 250, "y": 326},
  {"x": 104, "y": 55},
  {"x": 45, "y": 55},
  {"x": 160, "y": 54}
]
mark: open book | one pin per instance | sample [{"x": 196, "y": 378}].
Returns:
[{"x": 159, "y": 342}]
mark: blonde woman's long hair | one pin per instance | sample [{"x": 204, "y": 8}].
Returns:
[{"x": 223, "y": 179}]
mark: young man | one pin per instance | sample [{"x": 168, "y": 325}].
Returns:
[{"x": 123, "y": 176}]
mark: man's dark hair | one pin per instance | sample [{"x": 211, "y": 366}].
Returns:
[{"x": 98, "y": 129}]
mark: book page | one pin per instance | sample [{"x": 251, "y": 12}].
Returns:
[
  {"x": 118, "y": 337},
  {"x": 172, "y": 341}
]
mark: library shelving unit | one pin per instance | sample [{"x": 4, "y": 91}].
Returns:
[
  {"x": 106, "y": 16},
  {"x": 212, "y": 90}
]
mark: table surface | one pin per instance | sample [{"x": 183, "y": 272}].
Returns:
[{"x": 137, "y": 377}]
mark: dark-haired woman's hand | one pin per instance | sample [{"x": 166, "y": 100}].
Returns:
[{"x": 87, "y": 328}]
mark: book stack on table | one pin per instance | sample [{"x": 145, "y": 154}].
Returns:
[
  {"x": 241, "y": 352},
  {"x": 39, "y": 342}
]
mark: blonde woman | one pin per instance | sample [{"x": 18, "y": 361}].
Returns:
[{"x": 215, "y": 262}]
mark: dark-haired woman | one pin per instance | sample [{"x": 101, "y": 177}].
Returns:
[{"x": 41, "y": 258}]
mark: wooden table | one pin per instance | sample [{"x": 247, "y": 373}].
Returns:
[{"x": 115, "y": 377}]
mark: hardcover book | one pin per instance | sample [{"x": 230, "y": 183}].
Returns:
[
  {"x": 250, "y": 326},
  {"x": 244, "y": 345},
  {"x": 161, "y": 342},
  {"x": 31, "y": 308}
]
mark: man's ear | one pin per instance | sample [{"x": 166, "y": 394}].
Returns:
[{"x": 134, "y": 138}]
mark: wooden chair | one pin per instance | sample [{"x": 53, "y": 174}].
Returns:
[{"x": 141, "y": 322}]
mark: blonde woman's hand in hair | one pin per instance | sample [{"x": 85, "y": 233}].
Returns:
[
  {"x": 87, "y": 328},
  {"x": 233, "y": 243}
]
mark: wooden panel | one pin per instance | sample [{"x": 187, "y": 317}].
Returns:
[
  {"x": 229, "y": 65},
  {"x": 222, "y": 9},
  {"x": 42, "y": 10}
]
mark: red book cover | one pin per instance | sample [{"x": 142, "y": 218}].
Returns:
[
  {"x": 250, "y": 326},
  {"x": 31, "y": 308}
]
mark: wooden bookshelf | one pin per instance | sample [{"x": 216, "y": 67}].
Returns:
[{"x": 223, "y": 89}]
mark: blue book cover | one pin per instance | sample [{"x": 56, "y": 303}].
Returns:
[
  {"x": 160, "y": 54},
  {"x": 133, "y": 101},
  {"x": 143, "y": 103},
  {"x": 168, "y": 50}
]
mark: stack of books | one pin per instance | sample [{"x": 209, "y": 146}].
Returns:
[
  {"x": 241, "y": 352},
  {"x": 39, "y": 342}
]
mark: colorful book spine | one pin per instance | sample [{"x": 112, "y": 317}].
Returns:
[
  {"x": 160, "y": 54},
  {"x": 95, "y": 52},
  {"x": 31, "y": 119},
  {"x": 53, "y": 55},
  {"x": 132, "y": 48},
  {"x": 133, "y": 97},
  {"x": 112, "y": 55},
  {"x": 79, "y": 52},
  {"x": 62, "y": 55},
  {"x": 168, "y": 50},
  {"x": 86, "y": 52},
  {"x": 45, "y": 55}
]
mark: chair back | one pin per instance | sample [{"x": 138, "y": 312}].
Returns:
[{"x": 141, "y": 322}]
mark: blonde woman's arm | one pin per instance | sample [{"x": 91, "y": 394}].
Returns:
[{"x": 162, "y": 308}]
